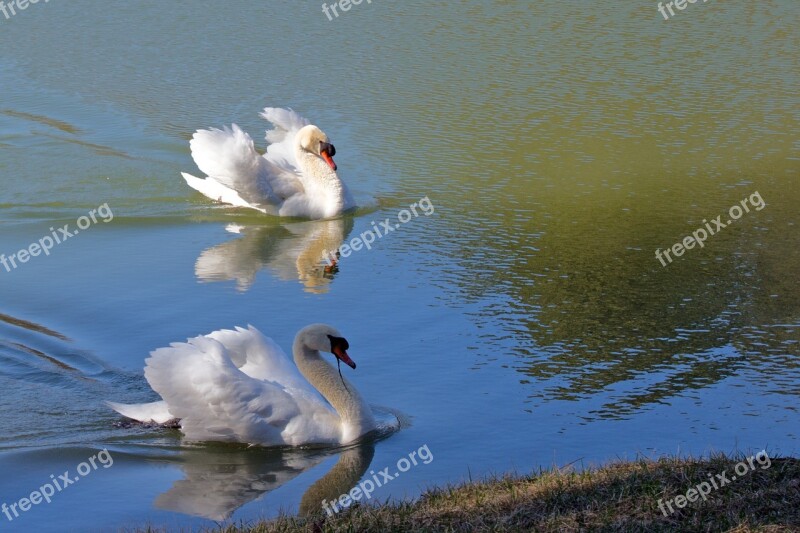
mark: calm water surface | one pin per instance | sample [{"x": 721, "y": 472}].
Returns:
[{"x": 525, "y": 323}]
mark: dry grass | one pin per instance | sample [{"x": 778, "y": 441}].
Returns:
[{"x": 619, "y": 497}]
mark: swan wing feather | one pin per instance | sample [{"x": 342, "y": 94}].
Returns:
[
  {"x": 147, "y": 413},
  {"x": 229, "y": 156},
  {"x": 260, "y": 357},
  {"x": 215, "y": 190},
  {"x": 280, "y": 154},
  {"x": 280, "y": 140}
]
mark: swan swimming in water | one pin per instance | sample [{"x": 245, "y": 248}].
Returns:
[
  {"x": 239, "y": 386},
  {"x": 296, "y": 176}
]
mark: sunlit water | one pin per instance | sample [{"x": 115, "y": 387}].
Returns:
[{"x": 525, "y": 323}]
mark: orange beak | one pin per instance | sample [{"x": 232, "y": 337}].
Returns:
[
  {"x": 342, "y": 356},
  {"x": 328, "y": 159}
]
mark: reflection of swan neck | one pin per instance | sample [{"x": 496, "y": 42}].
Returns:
[
  {"x": 355, "y": 413},
  {"x": 345, "y": 474}
]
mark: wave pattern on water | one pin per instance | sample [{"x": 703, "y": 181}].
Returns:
[{"x": 58, "y": 390}]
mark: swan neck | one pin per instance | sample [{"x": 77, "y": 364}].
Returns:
[
  {"x": 355, "y": 413},
  {"x": 320, "y": 179}
]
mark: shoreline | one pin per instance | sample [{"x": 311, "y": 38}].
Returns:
[{"x": 618, "y": 496}]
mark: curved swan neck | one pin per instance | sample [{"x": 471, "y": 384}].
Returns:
[
  {"x": 314, "y": 167},
  {"x": 351, "y": 406},
  {"x": 319, "y": 179}
]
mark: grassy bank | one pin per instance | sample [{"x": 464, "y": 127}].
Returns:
[{"x": 623, "y": 496}]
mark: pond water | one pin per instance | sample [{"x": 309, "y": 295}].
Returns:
[{"x": 525, "y": 322}]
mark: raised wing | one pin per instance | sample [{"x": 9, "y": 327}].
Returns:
[
  {"x": 280, "y": 139},
  {"x": 239, "y": 386},
  {"x": 229, "y": 156},
  {"x": 280, "y": 156}
]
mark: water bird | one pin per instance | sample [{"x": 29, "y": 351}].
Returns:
[
  {"x": 240, "y": 386},
  {"x": 295, "y": 177}
]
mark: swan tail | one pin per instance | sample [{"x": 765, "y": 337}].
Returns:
[
  {"x": 147, "y": 413},
  {"x": 229, "y": 156}
]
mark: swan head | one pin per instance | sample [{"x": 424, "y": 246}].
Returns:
[
  {"x": 312, "y": 139},
  {"x": 324, "y": 338}
]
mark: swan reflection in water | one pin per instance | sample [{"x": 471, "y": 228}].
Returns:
[
  {"x": 216, "y": 484},
  {"x": 305, "y": 251}
]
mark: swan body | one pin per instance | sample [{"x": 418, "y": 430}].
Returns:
[
  {"x": 239, "y": 386},
  {"x": 295, "y": 177}
]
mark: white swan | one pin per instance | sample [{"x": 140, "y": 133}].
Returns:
[
  {"x": 295, "y": 177},
  {"x": 239, "y": 386}
]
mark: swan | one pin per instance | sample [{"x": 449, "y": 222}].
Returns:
[
  {"x": 239, "y": 386},
  {"x": 296, "y": 176}
]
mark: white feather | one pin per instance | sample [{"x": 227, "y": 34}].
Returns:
[
  {"x": 148, "y": 413},
  {"x": 217, "y": 191}
]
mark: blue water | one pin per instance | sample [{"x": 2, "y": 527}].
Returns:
[{"x": 525, "y": 323}]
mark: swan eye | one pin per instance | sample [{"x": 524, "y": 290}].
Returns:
[
  {"x": 327, "y": 148},
  {"x": 338, "y": 342}
]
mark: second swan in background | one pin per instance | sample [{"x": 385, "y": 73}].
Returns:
[{"x": 296, "y": 177}]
